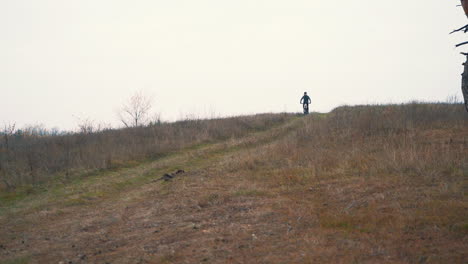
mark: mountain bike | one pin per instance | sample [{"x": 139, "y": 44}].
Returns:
[{"x": 306, "y": 108}]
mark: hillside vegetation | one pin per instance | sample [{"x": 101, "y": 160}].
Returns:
[
  {"x": 364, "y": 184},
  {"x": 30, "y": 159}
]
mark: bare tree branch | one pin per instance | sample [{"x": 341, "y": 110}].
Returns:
[
  {"x": 461, "y": 44},
  {"x": 464, "y": 28},
  {"x": 136, "y": 110}
]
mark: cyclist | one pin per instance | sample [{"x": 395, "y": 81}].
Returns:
[{"x": 305, "y": 101}]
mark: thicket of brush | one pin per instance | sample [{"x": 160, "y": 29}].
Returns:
[{"x": 30, "y": 159}]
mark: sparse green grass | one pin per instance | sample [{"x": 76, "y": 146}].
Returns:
[{"x": 19, "y": 260}]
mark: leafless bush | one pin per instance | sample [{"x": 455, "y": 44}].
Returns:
[{"x": 135, "y": 112}]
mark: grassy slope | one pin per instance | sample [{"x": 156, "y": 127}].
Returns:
[{"x": 305, "y": 192}]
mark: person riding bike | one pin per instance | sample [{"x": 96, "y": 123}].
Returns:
[{"x": 305, "y": 101}]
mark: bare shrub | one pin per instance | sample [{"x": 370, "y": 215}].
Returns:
[{"x": 135, "y": 112}]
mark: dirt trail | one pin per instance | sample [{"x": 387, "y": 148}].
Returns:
[{"x": 128, "y": 217}]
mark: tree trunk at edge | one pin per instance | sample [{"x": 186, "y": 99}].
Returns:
[{"x": 465, "y": 83}]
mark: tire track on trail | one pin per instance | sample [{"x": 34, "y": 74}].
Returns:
[{"x": 122, "y": 215}]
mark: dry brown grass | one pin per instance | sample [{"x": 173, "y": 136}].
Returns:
[{"x": 376, "y": 184}]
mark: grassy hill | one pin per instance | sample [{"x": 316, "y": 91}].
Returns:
[{"x": 365, "y": 184}]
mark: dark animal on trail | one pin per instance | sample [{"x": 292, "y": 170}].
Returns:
[{"x": 170, "y": 176}]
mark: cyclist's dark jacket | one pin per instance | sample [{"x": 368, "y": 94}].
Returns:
[{"x": 305, "y": 99}]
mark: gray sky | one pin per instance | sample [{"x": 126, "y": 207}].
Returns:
[{"x": 63, "y": 58}]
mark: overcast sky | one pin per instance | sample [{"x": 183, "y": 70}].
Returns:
[{"x": 62, "y": 59}]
